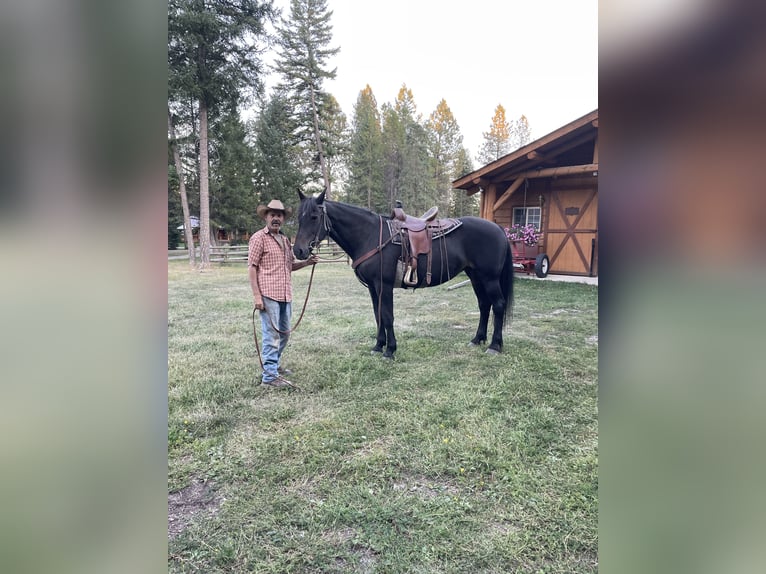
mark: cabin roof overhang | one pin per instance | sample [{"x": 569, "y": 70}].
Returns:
[{"x": 542, "y": 156}]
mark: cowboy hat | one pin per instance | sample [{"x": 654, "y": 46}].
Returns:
[{"x": 274, "y": 205}]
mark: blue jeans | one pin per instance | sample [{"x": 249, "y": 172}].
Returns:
[{"x": 275, "y": 314}]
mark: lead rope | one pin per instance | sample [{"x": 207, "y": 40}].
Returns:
[{"x": 303, "y": 310}]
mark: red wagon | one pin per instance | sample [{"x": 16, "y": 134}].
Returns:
[{"x": 527, "y": 258}]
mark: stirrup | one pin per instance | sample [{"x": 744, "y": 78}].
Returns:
[{"x": 410, "y": 277}]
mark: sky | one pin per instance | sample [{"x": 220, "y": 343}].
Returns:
[{"x": 537, "y": 58}]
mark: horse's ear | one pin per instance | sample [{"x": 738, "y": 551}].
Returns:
[
  {"x": 320, "y": 197},
  {"x": 300, "y": 194}
]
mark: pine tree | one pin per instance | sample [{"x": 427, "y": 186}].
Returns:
[
  {"x": 175, "y": 213},
  {"x": 407, "y": 175},
  {"x": 365, "y": 185},
  {"x": 463, "y": 204},
  {"x": 521, "y": 134},
  {"x": 393, "y": 153},
  {"x": 179, "y": 180},
  {"x": 212, "y": 59},
  {"x": 335, "y": 135},
  {"x": 497, "y": 140},
  {"x": 232, "y": 198},
  {"x": 303, "y": 45},
  {"x": 276, "y": 174},
  {"x": 445, "y": 143}
]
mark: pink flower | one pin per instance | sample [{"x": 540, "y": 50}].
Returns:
[{"x": 528, "y": 234}]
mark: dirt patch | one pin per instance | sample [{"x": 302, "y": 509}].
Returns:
[
  {"x": 377, "y": 447},
  {"x": 339, "y": 537},
  {"x": 425, "y": 488},
  {"x": 503, "y": 528},
  {"x": 195, "y": 501},
  {"x": 367, "y": 559},
  {"x": 554, "y": 313}
]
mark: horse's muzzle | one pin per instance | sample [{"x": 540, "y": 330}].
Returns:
[{"x": 301, "y": 253}]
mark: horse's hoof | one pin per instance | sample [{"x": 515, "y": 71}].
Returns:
[
  {"x": 388, "y": 356},
  {"x": 474, "y": 344},
  {"x": 492, "y": 351},
  {"x": 376, "y": 351}
]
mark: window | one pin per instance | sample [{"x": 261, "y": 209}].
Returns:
[{"x": 526, "y": 215}]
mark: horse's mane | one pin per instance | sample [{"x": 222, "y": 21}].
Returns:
[{"x": 360, "y": 208}]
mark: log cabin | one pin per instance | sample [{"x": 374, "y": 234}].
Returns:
[{"x": 551, "y": 183}]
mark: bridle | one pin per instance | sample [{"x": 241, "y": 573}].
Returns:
[{"x": 324, "y": 224}]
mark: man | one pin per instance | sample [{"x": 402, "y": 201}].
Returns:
[{"x": 270, "y": 262}]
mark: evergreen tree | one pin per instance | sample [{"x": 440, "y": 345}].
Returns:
[
  {"x": 463, "y": 204},
  {"x": 445, "y": 143},
  {"x": 232, "y": 197},
  {"x": 336, "y": 137},
  {"x": 276, "y": 174},
  {"x": 521, "y": 134},
  {"x": 303, "y": 46},
  {"x": 175, "y": 213},
  {"x": 212, "y": 58},
  {"x": 179, "y": 189},
  {"x": 407, "y": 175},
  {"x": 365, "y": 185},
  {"x": 497, "y": 140},
  {"x": 394, "y": 148}
]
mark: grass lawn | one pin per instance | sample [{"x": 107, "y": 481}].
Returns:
[{"x": 444, "y": 460}]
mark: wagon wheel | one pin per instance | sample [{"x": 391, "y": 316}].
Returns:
[{"x": 542, "y": 264}]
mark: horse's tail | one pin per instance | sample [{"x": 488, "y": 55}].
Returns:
[{"x": 506, "y": 283}]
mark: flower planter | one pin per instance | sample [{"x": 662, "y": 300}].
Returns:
[{"x": 521, "y": 249}]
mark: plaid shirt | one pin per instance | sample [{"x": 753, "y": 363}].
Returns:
[{"x": 274, "y": 265}]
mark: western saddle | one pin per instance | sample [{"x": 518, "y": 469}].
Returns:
[{"x": 417, "y": 234}]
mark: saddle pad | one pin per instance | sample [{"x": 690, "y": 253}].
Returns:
[{"x": 440, "y": 228}]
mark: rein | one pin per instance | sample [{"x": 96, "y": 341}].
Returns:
[{"x": 381, "y": 245}]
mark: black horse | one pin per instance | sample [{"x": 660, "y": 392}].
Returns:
[{"x": 478, "y": 247}]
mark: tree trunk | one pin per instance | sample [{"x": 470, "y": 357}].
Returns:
[
  {"x": 204, "y": 193},
  {"x": 188, "y": 231},
  {"x": 325, "y": 175}
]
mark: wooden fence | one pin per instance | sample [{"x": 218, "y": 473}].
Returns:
[
  {"x": 228, "y": 253},
  {"x": 328, "y": 252}
]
